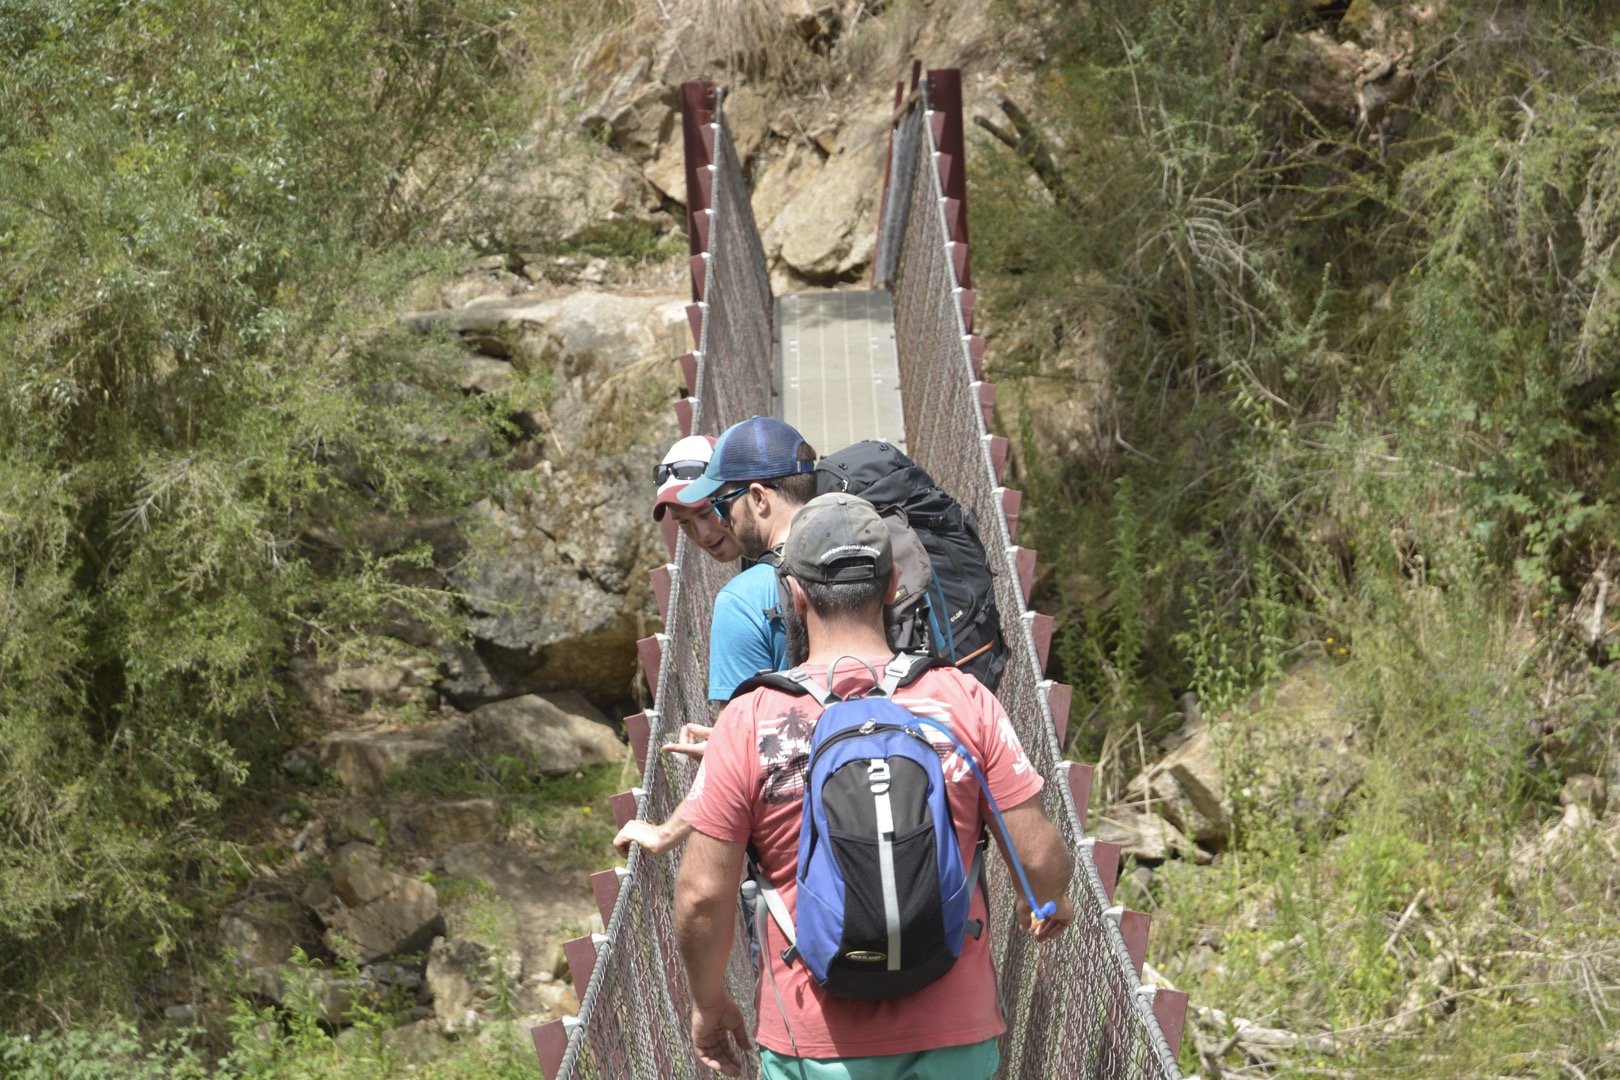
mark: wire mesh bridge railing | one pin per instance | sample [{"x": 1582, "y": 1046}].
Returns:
[{"x": 1075, "y": 1007}]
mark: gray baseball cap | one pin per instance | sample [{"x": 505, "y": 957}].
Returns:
[{"x": 837, "y": 538}]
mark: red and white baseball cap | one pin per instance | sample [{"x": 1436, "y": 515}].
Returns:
[{"x": 684, "y": 463}]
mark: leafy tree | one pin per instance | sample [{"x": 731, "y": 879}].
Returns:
[{"x": 204, "y": 210}]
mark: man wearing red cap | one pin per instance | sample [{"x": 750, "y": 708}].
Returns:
[
  {"x": 701, "y": 524},
  {"x": 764, "y": 472},
  {"x": 704, "y": 527}
]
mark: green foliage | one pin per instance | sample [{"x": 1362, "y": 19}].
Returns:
[
  {"x": 205, "y": 213},
  {"x": 1270, "y": 402},
  {"x": 116, "y": 1053},
  {"x": 1352, "y": 399},
  {"x": 261, "y": 1042}
]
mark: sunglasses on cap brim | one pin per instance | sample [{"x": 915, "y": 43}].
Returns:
[{"x": 678, "y": 470}]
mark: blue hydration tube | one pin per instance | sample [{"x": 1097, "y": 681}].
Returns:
[{"x": 1041, "y": 911}]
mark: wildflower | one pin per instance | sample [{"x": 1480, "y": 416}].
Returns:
[
  {"x": 1343, "y": 651},
  {"x": 1327, "y": 641},
  {"x": 585, "y": 809}
]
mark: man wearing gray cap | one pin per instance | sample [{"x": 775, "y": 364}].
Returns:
[{"x": 750, "y": 792}]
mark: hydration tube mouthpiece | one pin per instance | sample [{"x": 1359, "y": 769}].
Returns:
[{"x": 1046, "y": 911}]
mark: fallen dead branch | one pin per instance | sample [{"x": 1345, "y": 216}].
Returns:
[{"x": 1027, "y": 141}]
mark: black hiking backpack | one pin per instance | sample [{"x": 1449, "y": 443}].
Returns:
[{"x": 956, "y": 620}]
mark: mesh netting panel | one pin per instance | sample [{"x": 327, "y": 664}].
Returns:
[
  {"x": 737, "y": 364},
  {"x": 633, "y": 1019},
  {"x": 1072, "y": 1005}
]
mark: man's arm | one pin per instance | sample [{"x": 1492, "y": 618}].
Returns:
[
  {"x": 705, "y": 915},
  {"x": 1046, "y": 861}
]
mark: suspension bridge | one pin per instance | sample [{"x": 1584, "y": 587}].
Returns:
[{"x": 899, "y": 361}]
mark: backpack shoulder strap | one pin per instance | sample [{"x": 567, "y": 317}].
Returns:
[
  {"x": 791, "y": 681},
  {"x": 903, "y": 670}
]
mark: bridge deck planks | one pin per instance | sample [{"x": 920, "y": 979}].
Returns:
[{"x": 838, "y": 377}]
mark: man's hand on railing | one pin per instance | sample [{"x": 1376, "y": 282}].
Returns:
[
  {"x": 692, "y": 740},
  {"x": 1050, "y": 927},
  {"x": 655, "y": 839}
]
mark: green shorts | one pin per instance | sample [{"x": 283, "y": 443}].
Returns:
[{"x": 975, "y": 1061}]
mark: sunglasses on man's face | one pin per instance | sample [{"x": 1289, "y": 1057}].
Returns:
[
  {"x": 679, "y": 470},
  {"x": 722, "y": 503}
]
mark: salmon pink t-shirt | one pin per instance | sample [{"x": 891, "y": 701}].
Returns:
[{"x": 750, "y": 788}]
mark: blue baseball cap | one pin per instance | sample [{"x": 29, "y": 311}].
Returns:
[{"x": 759, "y": 448}]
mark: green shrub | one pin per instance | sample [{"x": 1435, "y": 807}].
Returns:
[
  {"x": 1355, "y": 401},
  {"x": 206, "y": 211}
]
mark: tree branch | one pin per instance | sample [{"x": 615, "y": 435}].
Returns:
[{"x": 1031, "y": 146}]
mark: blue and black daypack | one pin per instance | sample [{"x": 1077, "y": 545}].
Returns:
[{"x": 883, "y": 897}]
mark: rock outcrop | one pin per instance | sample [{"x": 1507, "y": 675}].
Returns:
[
  {"x": 563, "y": 596},
  {"x": 365, "y": 760},
  {"x": 462, "y": 975},
  {"x": 558, "y": 597},
  {"x": 548, "y": 733},
  {"x": 1188, "y": 790},
  {"x": 1293, "y": 758},
  {"x": 371, "y": 913},
  {"x": 827, "y": 229}
]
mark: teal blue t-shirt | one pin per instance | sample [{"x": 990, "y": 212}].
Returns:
[{"x": 743, "y": 641}]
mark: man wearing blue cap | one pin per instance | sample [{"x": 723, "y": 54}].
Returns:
[{"x": 762, "y": 471}]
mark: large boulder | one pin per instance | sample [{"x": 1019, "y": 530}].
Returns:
[
  {"x": 263, "y": 931},
  {"x": 1140, "y": 834},
  {"x": 1188, "y": 789},
  {"x": 373, "y": 913},
  {"x": 549, "y": 733},
  {"x": 446, "y": 824},
  {"x": 827, "y": 229},
  {"x": 365, "y": 760},
  {"x": 563, "y": 597}
]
